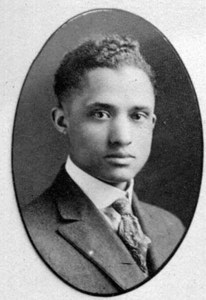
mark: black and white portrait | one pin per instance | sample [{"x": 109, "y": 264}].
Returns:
[{"x": 107, "y": 152}]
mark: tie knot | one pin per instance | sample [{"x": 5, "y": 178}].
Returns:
[{"x": 122, "y": 206}]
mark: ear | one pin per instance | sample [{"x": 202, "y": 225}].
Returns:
[
  {"x": 154, "y": 119},
  {"x": 59, "y": 120}
]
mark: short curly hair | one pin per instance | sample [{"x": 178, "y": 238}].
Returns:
[{"x": 111, "y": 52}]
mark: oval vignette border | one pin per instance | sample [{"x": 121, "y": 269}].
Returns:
[{"x": 41, "y": 163}]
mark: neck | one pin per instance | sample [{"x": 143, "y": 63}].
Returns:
[{"x": 121, "y": 185}]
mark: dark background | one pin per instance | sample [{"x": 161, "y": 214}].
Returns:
[{"x": 171, "y": 178}]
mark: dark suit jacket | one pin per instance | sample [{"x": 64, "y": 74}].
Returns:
[{"x": 75, "y": 240}]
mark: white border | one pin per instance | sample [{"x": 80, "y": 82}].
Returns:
[{"x": 26, "y": 25}]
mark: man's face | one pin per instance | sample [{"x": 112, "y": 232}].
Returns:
[{"x": 110, "y": 124}]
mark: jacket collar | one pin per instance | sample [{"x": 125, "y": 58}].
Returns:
[{"x": 83, "y": 226}]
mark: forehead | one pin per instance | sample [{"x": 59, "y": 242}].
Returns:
[
  {"x": 127, "y": 85},
  {"x": 111, "y": 77}
]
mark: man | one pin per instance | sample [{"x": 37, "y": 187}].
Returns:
[{"x": 89, "y": 226}]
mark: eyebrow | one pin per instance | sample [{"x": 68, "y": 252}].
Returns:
[
  {"x": 99, "y": 105},
  {"x": 109, "y": 106}
]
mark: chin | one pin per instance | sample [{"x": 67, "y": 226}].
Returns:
[{"x": 118, "y": 177}]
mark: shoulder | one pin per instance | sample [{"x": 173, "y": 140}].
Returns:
[
  {"x": 40, "y": 211},
  {"x": 159, "y": 212},
  {"x": 43, "y": 208},
  {"x": 164, "y": 220}
]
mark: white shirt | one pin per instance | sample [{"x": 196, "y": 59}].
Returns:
[{"x": 99, "y": 192}]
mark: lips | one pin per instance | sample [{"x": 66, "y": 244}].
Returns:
[
  {"x": 119, "y": 155},
  {"x": 119, "y": 158}
]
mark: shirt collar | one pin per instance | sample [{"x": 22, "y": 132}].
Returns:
[{"x": 99, "y": 192}]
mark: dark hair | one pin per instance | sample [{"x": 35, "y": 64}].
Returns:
[{"x": 109, "y": 51}]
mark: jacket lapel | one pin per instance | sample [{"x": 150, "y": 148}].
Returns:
[
  {"x": 154, "y": 227},
  {"x": 83, "y": 226}
]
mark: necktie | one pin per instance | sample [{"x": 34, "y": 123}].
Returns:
[{"x": 131, "y": 233}]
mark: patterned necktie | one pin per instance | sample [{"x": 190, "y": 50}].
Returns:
[{"x": 131, "y": 233}]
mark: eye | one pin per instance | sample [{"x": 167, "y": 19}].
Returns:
[
  {"x": 137, "y": 116},
  {"x": 101, "y": 115}
]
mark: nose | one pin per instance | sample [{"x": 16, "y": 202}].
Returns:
[{"x": 120, "y": 133}]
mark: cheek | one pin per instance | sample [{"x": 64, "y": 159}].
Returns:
[
  {"x": 86, "y": 135},
  {"x": 143, "y": 140}
]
